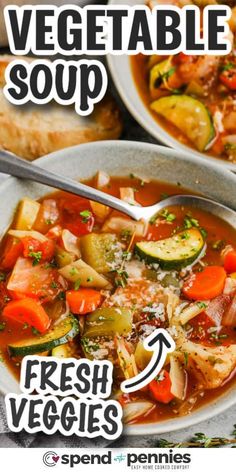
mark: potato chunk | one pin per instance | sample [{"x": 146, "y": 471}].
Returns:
[{"x": 210, "y": 365}]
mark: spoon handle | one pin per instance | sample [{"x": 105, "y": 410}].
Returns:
[{"x": 13, "y": 165}]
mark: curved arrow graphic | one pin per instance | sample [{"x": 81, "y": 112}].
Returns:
[{"x": 161, "y": 343}]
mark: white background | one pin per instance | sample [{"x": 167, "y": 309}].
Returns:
[{"x": 201, "y": 460}]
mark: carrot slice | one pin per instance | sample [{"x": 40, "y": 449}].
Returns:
[
  {"x": 161, "y": 389},
  {"x": 83, "y": 301},
  {"x": 230, "y": 262},
  {"x": 205, "y": 285},
  {"x": 28, "y": 311}
]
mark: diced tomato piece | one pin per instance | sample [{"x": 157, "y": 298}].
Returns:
[
  {"x": 4, "y": 295},
  {"x": 30, "y": 245},
  {"x": 83, "y": 301},
  {"x": 48, "y": 250},
  {"x": 201, "y": 324},
  {"x": 13, "y": 249},
  {"x": 228, "y": 77},
  {"x": 230, "y": 262},
  {"x": 28, "y": 311},
  {"x": 77, "y": 215},
  {"x": 80, "y": 226},
  {"x": 73, "y": 205},
  {"x": 182, "y": 58},
  {"x": 124, "y": 399},
  {"x": 161, "y": 389}
]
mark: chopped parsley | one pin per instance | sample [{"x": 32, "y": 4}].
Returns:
[
  {"x": 185, "y": 358},
  {"x": 54, "y": 284},
  {"x": 2, "y": 325},
  {"x": 153, "y": 219},
  {"x": 228, "y": 66},
  {"x": 36, "y": 256},
  {"x": 203, "y": 232},
  {"x": 190, "y": 222},
  {"x": 77, "y": 284},
  {"x": 90, "y": 279},
  {"x": 217, "y": 336},
  {"x": 230, "y": 147},
  {"x": 185, "y": 235},
  {"x": 201, "y": 305},
  {"x": 86, "y": 214},
  {"x": 126, "y": 255},
  {"x": 2, "y": 277},
  {"x": 164, "y": 77},
  {"x": 168, "y": 216},
  {"x": 164, "y": 195},
  {"x": 121, "y": 277},
  {"x": 35, "y": 331},
  {"x": 88, "y": 346},
  {"x": 125, "y": 234},
  {"x": 177, "y": 91},
  {"x": 50, "y": 265},
  {"x": 73, "y": 271},
  {"x": 215, "y": 360},
  {"x": 218, "y": 245},
  {"x": 61, "y": 296},
  {"x": 160, "y": 377}
]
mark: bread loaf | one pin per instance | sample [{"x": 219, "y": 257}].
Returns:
[{"x": 31, "y": 131}]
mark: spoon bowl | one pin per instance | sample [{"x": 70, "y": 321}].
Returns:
[{"x": 206, "y": 204}]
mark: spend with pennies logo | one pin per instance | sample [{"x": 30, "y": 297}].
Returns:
[{"x": 50, "y": 458}]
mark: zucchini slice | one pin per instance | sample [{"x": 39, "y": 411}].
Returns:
[
  {"x": 172, "y": 253},
  {"x": 62, "y": 352},
  {"x": 108, "y": 321},
  {"x": 189, "y": 115},
  {"x": 98, "y": 250},
  {"x": 59, "y": 334},
  {"x": 157, "y": 73}
]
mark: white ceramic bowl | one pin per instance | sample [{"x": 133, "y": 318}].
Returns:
[
  {"x": 121, "y": 72},
  {"x": 122, "y": 158}
]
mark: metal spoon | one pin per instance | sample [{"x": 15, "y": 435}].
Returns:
[{"x": 13, "y": 165}]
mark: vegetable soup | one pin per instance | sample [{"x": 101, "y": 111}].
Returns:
[
  {"x": 78, "y": 279},
  {"x": 192, "y": 97}
]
